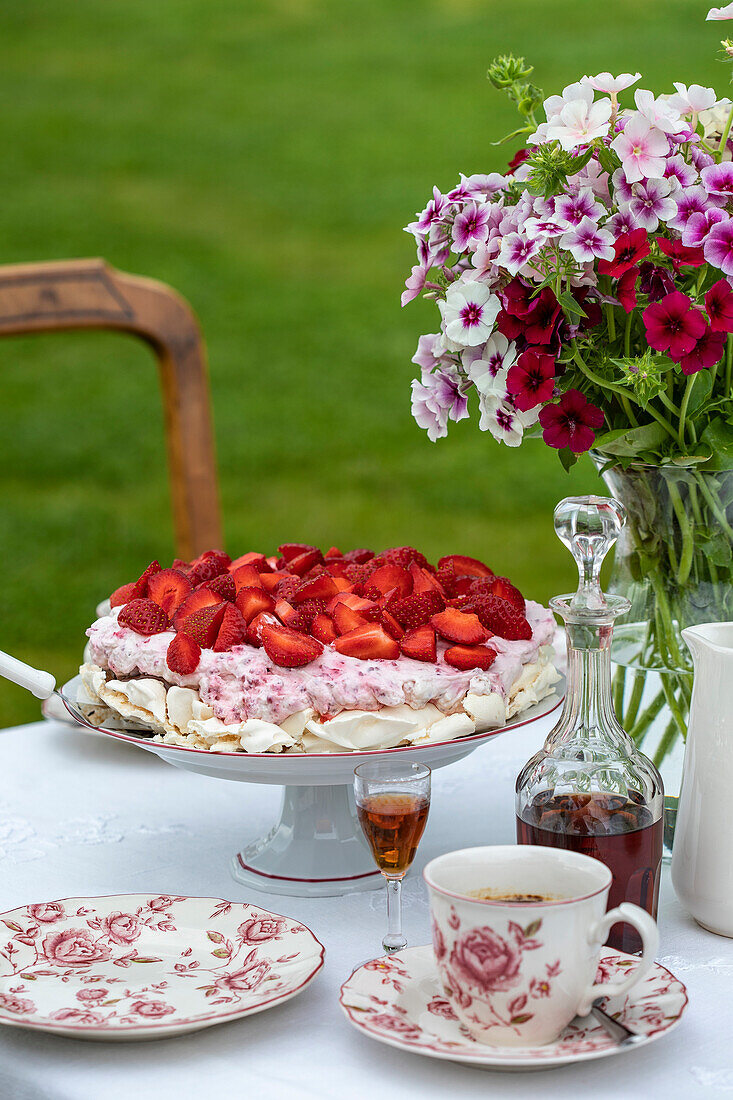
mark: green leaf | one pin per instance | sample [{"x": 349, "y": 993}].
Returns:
[
  {"x": 532, "y": 928},
  {"x": 632, "y": 442},
  {"x": 700, "y": 392},
  {"x": 221, "y": 953},
  {"x": 567, "y": 458},
  {"x": 215, "y": 937},
  {"x": 570, "y": 307},
  {"x": 145, "y": 959},
  {"x": 718, "y": 436},
  {"x": 522, "y": 1018}
]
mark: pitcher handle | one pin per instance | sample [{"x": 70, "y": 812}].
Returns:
[{"x": 646, "y": 926}]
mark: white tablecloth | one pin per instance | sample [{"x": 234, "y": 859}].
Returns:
[{"x": 82, "y": 816}]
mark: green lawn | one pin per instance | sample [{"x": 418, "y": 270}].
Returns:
[{"x": 262, "y": 157}]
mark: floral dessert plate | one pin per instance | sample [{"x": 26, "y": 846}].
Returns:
[
  {"x": 136, "y": 966},
  {"x": 398, "y": 1000}
]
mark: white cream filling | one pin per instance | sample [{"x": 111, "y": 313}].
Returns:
[{"x": 179, "y": 717}]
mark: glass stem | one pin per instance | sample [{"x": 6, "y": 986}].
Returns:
[{"x": 394, "y": 940}]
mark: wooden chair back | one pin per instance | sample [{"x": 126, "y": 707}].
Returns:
[{"x": 89, "y": 294}]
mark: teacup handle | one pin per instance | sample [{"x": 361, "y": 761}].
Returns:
[{"x": 646, "y": 926}]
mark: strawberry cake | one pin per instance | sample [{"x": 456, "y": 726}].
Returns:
[{"x": 311, "y": 652}]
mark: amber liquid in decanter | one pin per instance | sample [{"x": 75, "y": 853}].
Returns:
[{"x": 590, "y": 790}]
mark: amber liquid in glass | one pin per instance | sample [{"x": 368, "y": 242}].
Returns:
[
  {"x": 393, "y": 825},
  {"x": 616, "y": 829}
]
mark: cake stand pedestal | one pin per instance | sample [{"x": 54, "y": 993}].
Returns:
[{"x": 316, "y": 849}]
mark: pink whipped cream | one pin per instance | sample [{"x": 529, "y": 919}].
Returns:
[{"x": 244, "y": 683}]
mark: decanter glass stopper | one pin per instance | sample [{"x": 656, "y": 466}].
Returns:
[{"x": 589, "y": 526}]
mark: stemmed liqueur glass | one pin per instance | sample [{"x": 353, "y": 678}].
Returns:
[{"x": 392, "y": 801}]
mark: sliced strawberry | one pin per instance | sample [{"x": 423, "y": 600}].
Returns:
[
  {"x": 403, "y": 556},
  {"x": 460, "y": 626},
  {"x": 390, "y": 624},
  {"x": 183, "y": 655},
  {"x": 273, "y": 561},
  {"x": 454, "y": 585},
  {"x": 144, "y": 617},
  {"x": 203, "y": 625},
  {"x": 169, "y": 589},
  {"x": 360, "y": 572},
  {"x": 246, "y": 576},
  {"x": 359, "y": 556},
  {"x": 272, "y": 581},
  {"x": 464, "y": 566},
  {"x": 346, "y": 619},
  {"x": 417, "y": 609},
  {"x": 233, "y": 630},
  {"x": 201, "y": 598},
  {"x": 336, "y": 567},
  {"x": 423, "y": 581},
  {"x": 251, "y": 601},
  {"x": 293, "y": 616},
  {"x": 184, "y": 566},
  {"x": 334, "y": 552},
  {"x": 141, "y": 585},
  {"x": 288, "y": 648},
  {"x": 420, "y": 644},
  {"x": 387, "y": 577},
  {"x": 467, "y": 657},
  {"x": 502, "y": 588},
  {"x": 257, "y": 561},
  {"x": 123, "y": 594},
  {"x": 342, "y": 584},
  {"x": 290, "y": 550},
  {"x": 320, "y": 587},
  {"x": 224, "y": 586},
  {"x": 258, "y": 624},
  {"x": 324, "y": 629},
  {"x": 500, "y": 617},
  {"x": 210, "y": 564},
  {"x": 305, "y": 561},
  {"x": 368, "y": 642}
]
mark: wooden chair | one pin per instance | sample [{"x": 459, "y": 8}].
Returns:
[{"x": 89, "y": 294}]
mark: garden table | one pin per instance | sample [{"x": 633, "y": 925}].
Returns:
[{"x": 82, "y": 816}]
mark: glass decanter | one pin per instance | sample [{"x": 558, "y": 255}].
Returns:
[{"x": 590, "y": 789}]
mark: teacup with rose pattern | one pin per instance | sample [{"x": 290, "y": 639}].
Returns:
[{"x": 517, "y": 972}]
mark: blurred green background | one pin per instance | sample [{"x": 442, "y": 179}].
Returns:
[{"x": 262, "y": 156}]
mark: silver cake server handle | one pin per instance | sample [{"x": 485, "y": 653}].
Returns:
[{"x": 618, "y": 1031}]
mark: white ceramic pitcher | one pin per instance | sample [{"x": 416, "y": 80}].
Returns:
[{"x": 702, "y": 856}]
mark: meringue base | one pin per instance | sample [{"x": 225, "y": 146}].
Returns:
[{"x": 178, "y": 716}]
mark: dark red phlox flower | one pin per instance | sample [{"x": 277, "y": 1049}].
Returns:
[
  {"x": 629, "y": 248},
  {"x": 673, "y": 325},
  {"x": 626, "y": 289},
  {"x": 656, "y": 282},
  {"x": 531, "y": 380},
  {"x": 509, "y": 325},
  {"x": 680, "y": 255},
  {"x": 706, "y": 353},
  {"x": 719, "y": 305},
  {"x": 517, "y": 298},
  {"x": 572, "y": 422},
  {"x": 519, "y": 158},
  {"x": 540, "y": 322}
]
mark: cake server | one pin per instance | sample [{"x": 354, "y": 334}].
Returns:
[{"x": 43, "y": 686}]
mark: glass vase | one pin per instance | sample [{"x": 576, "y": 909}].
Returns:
[{"x": 674, "y": 563}]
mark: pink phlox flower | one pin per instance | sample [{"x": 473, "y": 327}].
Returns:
[
  {"x": 579, "y": 123},
  {"x": 719, "y": 306},
  {"x": 642, "y": 149},
  {"x": 572, "y": 422},
  {"x": 469, "y": 311},
  {"x": 612, "y": 85},
  {"x": 673, "y": 325},
  {"x": 718, "y": 247},
  {"x": 693, "y": 200},
  {"x": 658, "y": 112},
  {"x": 471, "y": 226},
  {"x": 706, "y": 353},
  {"x": 721, "y": 13},
  {"x": 587, "y": 242},
  {"x": 592, "y": 176},
  {"x": 571, "y": 209},
  {"x": 693, "y": 99},
  {"x": 554, "y": 104},
  {"x": 437, "y": 208},
  {"x": 480, "y": 187},
  {"x": 717, "y": 179},
  {"x": 699, "y": 225},
  {"x": 429, "y": 254},
  {"x": 483, "y": 260},
  {"x": 699, "y": 158},
  {"x": 542, "y": 229},
  {"x": 489, "y": 370},
  {"x": 677, "y": 168},
  {"x": 437, "y": 397},
  {"x": 516, "y": 251},
  {"x": 622, "y": 189},
  {"x": 652, "y": 203},
  {"x": 623, "y": 221},
  {"x": 430, "y": 352},
  {"x": 505, "y": 422}
]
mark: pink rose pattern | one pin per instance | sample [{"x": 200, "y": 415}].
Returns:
[
  {"x": 656, "y": 1008},
  {"x": 81, "y": 941}
]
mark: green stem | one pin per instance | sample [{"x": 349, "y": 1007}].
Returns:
[
  {"x": 724, "y": 137},
  {"x": 627, "y": 335},
  {"x": 688, "y": 541},
  {"x": 611, "y": 321},
  {"x": 683, "y": 408},
  {"x": 645, "y": 719},
  {"x": 666, "y": 743},
  {"x": 604, "y": 384},
  {"x": 728, "y": 362},
  {"x": 619, "y": 683},
  {"x": 635, "y": 699},
  {"x": 677, "y": 714},
  {"x": 714, "y": 506}
]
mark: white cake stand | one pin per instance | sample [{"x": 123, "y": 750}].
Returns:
[{"x": 316, "y": 849}]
